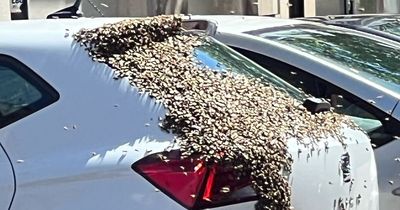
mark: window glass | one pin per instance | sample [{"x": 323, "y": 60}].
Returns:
[
  {"x": 22, "y": 92},
  {"x": 15, "y": 92},
  {"x": 380, "y": 126},
  {"x": 374, "y": 60},
  {"x": 218, "y": 57}
]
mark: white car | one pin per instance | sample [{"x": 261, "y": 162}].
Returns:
[
  {"x": 71, "y": 135},
  {"x": 356, "y": 71}
]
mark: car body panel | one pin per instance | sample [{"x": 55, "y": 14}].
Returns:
[
  {"x": 238, "y": 24},
  {"x": 6, "y": 180},
  {"x": 86, "y": 141},
  {"x": 77, "y": 153},
  {"x": 387, "y": 161},
  {"x": 324, "y": 187}
]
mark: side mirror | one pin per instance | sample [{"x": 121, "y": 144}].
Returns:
[{"x": 316, "y": 105}]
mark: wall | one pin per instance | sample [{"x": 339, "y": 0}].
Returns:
[
  {"x": 116, "y": 8},
  {"x": 329, "y": 7},
  {"x": 309, "y": 8},
  {"x": 5, "y": 10},
  {"x": 131, "y": 8},
  {"x": 391, "y": 6},
  {"x": 39, "y": 9}
]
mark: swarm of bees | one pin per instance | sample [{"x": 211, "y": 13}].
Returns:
[{"x": 226, "y": 118}]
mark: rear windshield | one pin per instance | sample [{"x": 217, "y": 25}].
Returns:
[{"x": 374, "y": 60}]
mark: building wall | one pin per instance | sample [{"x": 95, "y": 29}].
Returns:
[
  {"x": 329, "y": 7},
  {"x": 391, "y": 6},
  {"x": 128, "y": 8},
  {"x": 39, "y": 9},
  {"x": 268, "y": 7},
  {"x": 283, "y": 9},
  {"x": 5, "y": 10}
]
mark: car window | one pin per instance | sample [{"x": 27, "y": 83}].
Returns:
[
  {"x": 21, "y": 91},
  {"x": 374, "y": 60},
  {"x": 15, "y": 92},
  {"x": 218, "y": 57},
  {"x": 376, "y": 123}
]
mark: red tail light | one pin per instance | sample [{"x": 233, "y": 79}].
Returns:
[{"x": 192, "y": 183}]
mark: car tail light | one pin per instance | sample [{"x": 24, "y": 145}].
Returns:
[{"x": 192, "y": 183}]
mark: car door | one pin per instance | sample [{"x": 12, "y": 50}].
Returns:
[
  {"x": 381, "y": 127},
  {"x": 6, "y": 180},
  {"x": 21, "y": 94}
]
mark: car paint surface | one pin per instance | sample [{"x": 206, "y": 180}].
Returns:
[
  {"x": 388, "y": 172},
  {"x": 77, "y": 153},
  {"x": 6, "y": 179}
]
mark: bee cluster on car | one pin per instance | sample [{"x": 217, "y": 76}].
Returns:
[{"x": 226, "y": 118}]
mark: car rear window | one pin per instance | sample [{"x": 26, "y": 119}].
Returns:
[
  {"x": 372, "y": 59},
  {"x": 22, "y": 92}
]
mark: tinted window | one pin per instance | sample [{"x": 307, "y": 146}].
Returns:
[
  {"x": 380, "y": 126},
  {"x": 218, "y": 57},
  {"x": 374, "y": 60},
  {"x": 21, "y": 91}
]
